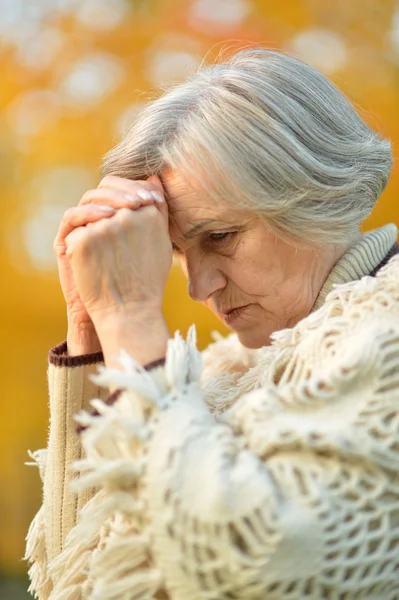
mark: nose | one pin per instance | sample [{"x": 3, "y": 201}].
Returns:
[{"x": 204, "y": 279}]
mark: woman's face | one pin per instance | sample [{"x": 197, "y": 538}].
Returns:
[{"x": 233, "y": 261}]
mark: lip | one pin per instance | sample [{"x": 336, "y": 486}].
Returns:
[
  {"x": 230, "y": 310},
  {"x": 233, "y": 314}
]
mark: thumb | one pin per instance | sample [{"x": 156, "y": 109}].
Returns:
[{"x": 156, "y": 181}]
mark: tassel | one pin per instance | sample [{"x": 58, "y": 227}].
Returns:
[{"x": 40, "y": 586}]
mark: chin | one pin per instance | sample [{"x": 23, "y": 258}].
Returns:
[{"x": 253, "y": 339}]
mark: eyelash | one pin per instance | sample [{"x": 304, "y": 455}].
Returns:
[
  {"x": 220, "y": 240},
  {"x": 211, "y": 239},
  {"x": 176, "y": 249}
]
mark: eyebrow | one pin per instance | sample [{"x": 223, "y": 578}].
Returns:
[{"x": 197, "y": 228}]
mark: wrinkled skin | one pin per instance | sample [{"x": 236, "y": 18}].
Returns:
[
  {"x": 237, "y": 261},
  {"x": 115, "y": 252}
]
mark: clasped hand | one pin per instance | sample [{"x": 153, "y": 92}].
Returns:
[{"x": 114, "y": 256}]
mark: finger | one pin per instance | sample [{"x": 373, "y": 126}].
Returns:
[
  {"x": 156, "y": 181},
  {"x": 116, "y": 198},
  {"x": 128, "y": 186},
  {"x": 73, "y": 238},
  {"x": 163, "y": 209},
  {"x": 80, "y": 216}
]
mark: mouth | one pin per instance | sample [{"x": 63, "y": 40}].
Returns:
[
  {"x": 232, "y": 314},
  {"x": 230, "y": 310}
]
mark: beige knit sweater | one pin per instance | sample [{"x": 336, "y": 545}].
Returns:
[{"x": 268, "y": 474}]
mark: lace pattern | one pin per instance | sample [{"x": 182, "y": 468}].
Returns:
[{"x": 287, "y": 490}]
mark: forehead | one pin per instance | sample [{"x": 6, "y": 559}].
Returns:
[{"x": 188, "y": 201}]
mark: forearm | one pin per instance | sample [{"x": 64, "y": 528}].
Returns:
[
  {"x": 197, "y": 476},
  {"x": 212, "y": 502},
  {"x": 70, "y": 390}
]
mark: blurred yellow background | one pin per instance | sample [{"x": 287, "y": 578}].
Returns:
[{"x": 73, "y": 73}]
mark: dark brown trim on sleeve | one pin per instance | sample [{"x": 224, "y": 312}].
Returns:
[
  {"x": 148, "y": 367},
  {"x": 155, "y": 363},
  {"x": 59, "y": 358},
  {"x": 112, "y": 398}
]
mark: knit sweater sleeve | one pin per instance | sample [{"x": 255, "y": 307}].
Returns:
[
  {"x": 293, "y": 494},
  {"x": 70, "y": 391}
]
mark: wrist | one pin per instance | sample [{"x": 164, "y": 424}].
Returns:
[
  {"x": 143, "y": 335},
  {"x": 82, "y": 338}
]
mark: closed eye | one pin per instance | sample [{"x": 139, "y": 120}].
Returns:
[
  {"x": 176, "y": 249},
  {"x": 216, "y": 239},
  {"x": 219, "y": 237}
]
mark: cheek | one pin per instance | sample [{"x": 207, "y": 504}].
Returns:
[
  {"x": 247, "y": 269},
  {"x": 251, "y": 276}
]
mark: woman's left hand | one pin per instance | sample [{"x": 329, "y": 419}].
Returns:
[{"x": 120, "y": 267}]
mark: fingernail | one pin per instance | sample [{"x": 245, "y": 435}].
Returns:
[
  {"x": 131, "y": 198},
  {"x": 144, "y": 195},
  {"x": 158, "y": 197},
  {"x": 105, "y": 208}
]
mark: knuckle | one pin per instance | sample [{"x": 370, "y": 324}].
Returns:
[
  {"x": 110, "y": 181},
  {"x": 86, "y": 197},
  {"x": 101, "y": 228},
  {"x": 124, "y": 215},
  {"x": 106, "y": 181},
  {"x": 69, "y": 213},
  {"x": 151, "y": 212},
  {"x": 83, "y": 246}
]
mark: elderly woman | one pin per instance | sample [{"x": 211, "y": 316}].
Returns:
[{"x": 268, "y": 467}]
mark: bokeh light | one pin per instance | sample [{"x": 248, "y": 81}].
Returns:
[{"x": 74, "y": 74}]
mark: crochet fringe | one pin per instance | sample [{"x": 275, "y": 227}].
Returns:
[
  {"x": 107, "y": 554},
  {"x": 69, "y": 571},
  {"x": 40, "y": 586}
]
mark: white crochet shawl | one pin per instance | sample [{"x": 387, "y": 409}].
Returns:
[{"x": 279, "y": 482}]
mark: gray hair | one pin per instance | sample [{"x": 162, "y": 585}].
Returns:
[{"x": 267, "y": 133}]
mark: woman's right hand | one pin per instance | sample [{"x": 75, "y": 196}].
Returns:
[{"x": 97, "y": 204}]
